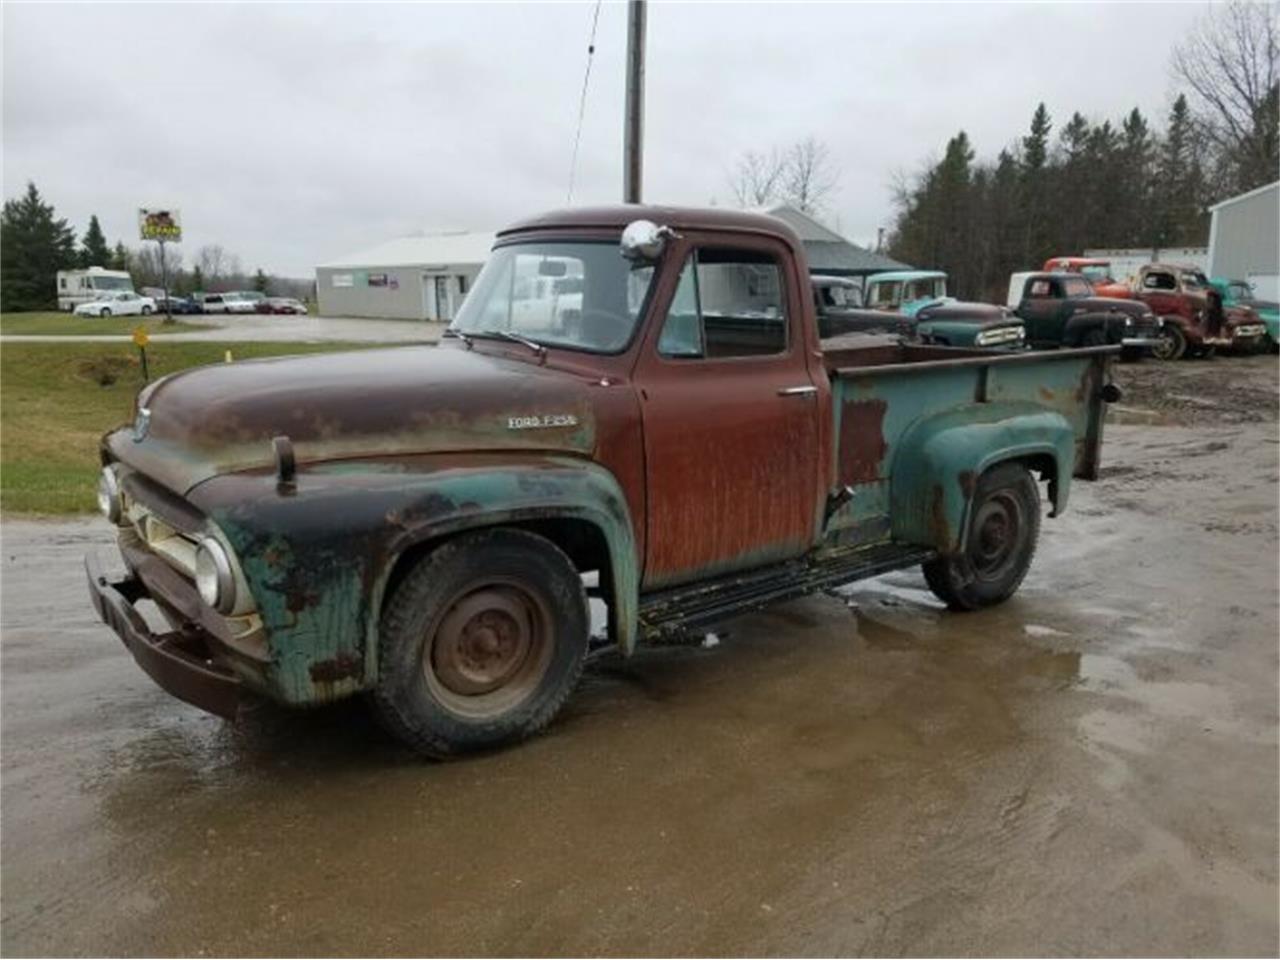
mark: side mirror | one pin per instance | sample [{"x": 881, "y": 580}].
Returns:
[{"x": 644, "y": 240}]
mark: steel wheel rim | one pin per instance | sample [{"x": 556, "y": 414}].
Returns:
[
  {"x": 489, "y": 650},
  {"x": 996, "y": 533},
  {"x": 1166, "y": 346}
]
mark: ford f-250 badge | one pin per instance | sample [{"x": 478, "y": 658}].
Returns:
[{"x": 542, "y": 422}]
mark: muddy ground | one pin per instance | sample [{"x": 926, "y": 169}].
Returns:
[{"x": 1088, "y": 769}]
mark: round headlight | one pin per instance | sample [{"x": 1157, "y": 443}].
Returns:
[
  {"x": 109, "y": 495},
  {"x": 214, "y": 579}
]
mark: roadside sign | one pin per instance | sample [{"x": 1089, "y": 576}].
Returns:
[
  {"x": 162, "y": 225},
  {"x": 140, "y": 336}
]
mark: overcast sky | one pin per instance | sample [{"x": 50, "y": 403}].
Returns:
[{"x": 292, "y": 134}]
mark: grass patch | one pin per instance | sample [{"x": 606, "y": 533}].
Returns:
[
  {"x": 55, "y": 324},
  {"x": 57, "y": 399}
]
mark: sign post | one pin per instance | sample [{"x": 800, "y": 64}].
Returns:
[
  {"x": 141, "y": 339},
  {"x": 161, "y": 226}
]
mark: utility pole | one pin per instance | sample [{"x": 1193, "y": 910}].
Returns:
[{"x": 633, "y": 139}]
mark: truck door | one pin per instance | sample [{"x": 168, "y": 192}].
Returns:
[
  {"x": 731, "y": 415},
  {"x": 1041, "y": 311},
  {"x": 1159, "y": 290}
]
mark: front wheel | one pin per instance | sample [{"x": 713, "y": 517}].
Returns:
[
  {"x": 1097, "y": 337},
  {"x": 146, "y": 311},
  {"x": 1171, "y": 344},
  {"x": 481, "y": 643},
  {"x": 104, "y": 312},
  {"x": 1004, "y": 522}
]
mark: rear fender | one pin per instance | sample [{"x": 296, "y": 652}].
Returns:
[{"x": 939, "y": 460}]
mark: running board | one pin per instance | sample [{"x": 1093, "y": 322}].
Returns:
[{"x": 685, "y": 607}]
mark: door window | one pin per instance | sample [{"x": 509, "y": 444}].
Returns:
[
  {"x": 1157, "y": 280},
  {"x": 728, "y": 303}
]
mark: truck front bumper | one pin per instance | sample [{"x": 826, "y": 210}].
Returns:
[{"x": 179, "y": 661}]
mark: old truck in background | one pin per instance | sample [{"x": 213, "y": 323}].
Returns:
[
  {"x": 1094, "y": 269},
  {"x": 1194, "y": 321},
  {"x": 424, "y": 525},
  {"x": 1241, "y": 293},
  {"x": 938, "y": 318},
  {"x": 1062, "y": 310}
]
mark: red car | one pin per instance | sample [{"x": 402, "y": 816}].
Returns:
[{"x": 281, "y": 305}]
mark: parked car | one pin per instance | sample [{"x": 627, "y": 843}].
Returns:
[
  {"x": 282, "y": 305},
  {"x": 416, "y": 523},
  {"x": 1096, "y": 271},
  {"x": 226, "y": 303},
  {"x": 1183, "y": 298},
  {"x": 126, "y": 304},
  {"x": 935, "y": 317},
  {"x": 1240, "y": 293},
  {"x": 254, "y": 297},
  {"x": 179, "y": 305},
  {"x": 1062, "y": 310}
]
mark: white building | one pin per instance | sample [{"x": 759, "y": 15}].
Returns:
[
  {"x": 417, "y": 278},
  {"x": 1244, "y": 240}
]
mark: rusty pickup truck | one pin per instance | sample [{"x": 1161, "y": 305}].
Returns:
[{"x": 663, "y": 430}]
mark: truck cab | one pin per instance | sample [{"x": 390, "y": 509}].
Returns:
[
  {"x": 1097, "y": 271},
  {"x": 425, "y": 524}
]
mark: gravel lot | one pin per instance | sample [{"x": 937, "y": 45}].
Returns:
[{"x": 1089, "y": 769}]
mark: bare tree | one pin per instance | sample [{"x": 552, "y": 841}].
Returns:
[
  {"x": 757, "y": 180},
  {"x": 810, "y": 176},
  {"x": 148, "y": 269},
  {"x": 1229, "y": 63}
]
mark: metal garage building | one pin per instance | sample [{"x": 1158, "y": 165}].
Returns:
[
  {"x": 1244, "y": 240},
  {"x": 416, "y": 278}
]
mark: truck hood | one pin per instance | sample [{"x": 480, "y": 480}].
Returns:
[
  {"x": 959, "y": 311},
  {"x": 1134, "y": 308},
  {"x": 393, "y": 402}
]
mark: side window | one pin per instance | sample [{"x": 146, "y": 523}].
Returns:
[
  {"x": 682, "y": 331},
  {"x": 728, "y": 303},
  {"x": 1159, "y": 281},
  {"x": 1038, "y": 288}
]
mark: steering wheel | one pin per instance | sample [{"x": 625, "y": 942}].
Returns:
[{"x": 604, "y": 329}]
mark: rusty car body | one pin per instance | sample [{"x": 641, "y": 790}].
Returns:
[
  {"x": 1094, "y": 269},
  {"x": 417, "y": 523},
  {"x": 1195, "y": 322}
]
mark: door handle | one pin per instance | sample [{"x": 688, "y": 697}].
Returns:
[{"x": 804, "y": 391}]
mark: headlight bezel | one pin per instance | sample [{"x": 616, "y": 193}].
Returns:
[{"x": 215, "y": 576}]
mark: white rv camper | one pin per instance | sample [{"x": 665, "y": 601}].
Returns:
[{"x": 80, "y": 286}]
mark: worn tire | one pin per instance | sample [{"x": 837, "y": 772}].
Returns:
[
  {"x": 471, "y": 591},
  {"x": 1003, "y": 525},
  {"x": 104, "y": 312},
  {"x": 1171, "y": 344},
  {"x": 146, "y": 311}
]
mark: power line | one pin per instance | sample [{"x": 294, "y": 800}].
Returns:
[{"x": 582, "y": 102}]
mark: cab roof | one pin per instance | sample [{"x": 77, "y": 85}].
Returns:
[{"x": 617, "y": 216}]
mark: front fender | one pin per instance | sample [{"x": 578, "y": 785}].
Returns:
[
  {"x": 318, "y": 558},
  {"x": 939, "y": 460}
]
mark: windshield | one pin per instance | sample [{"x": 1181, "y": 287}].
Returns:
[
  {"x": 1194, "y": 280},
  {"x": 1238, "y": 290},
  {"x": 581, "y": 295},
  {"x": 1098, "y": 273},
  {"x": 932, "y": 288},
  {"x": 111, "y": 283},
  {"x": 885, "y": 293}
]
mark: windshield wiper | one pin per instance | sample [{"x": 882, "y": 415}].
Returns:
[
  {"x": 533, "y": 345},
  {"x": 450, "y": 332}
]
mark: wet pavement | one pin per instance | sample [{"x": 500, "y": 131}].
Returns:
[
  {"x": 259, "y": 328},
  {"x": 1090, "y": 768}
]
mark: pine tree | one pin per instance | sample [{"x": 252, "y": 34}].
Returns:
[
  {"x": 1034, "y": 188},
  {"x": 260, "y": 281},
  {"x": 94, "y": 250},
  {"x": 197, "y": 279},
  {"x": 120, "y": 258},
  {"x": 1132, "y": 215},
  {"x": 34, "y": 246}
]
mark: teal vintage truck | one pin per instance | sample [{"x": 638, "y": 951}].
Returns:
[
  {"x": 1240, "y": 293},
  {"x": 667, "y": 432},
  {"x": 935, "y": 317}
]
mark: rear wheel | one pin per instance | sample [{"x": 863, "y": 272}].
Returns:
[
  {"x": 146, "y": 311},
  {"x": 1170, "y": 344},
  {"x": 1004, "y": 522},
  {"x": 481, "y": 643},
  {"x": 104, "y": 312}
]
